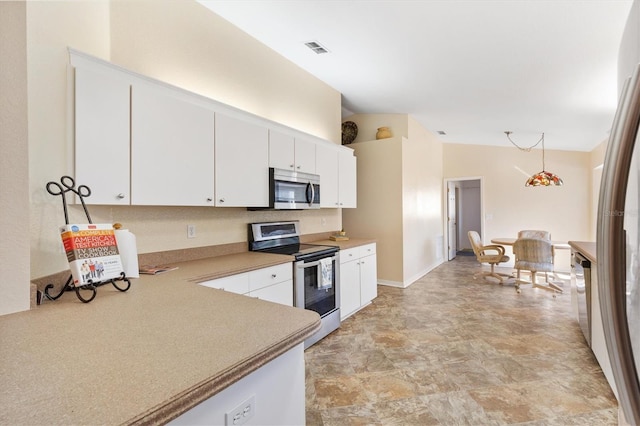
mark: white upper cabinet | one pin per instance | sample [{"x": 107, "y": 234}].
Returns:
[
  {"x": 139, "y": 141},
  {"x": 347, "y": 179},
  {"x": 281, "y": 150},
  {"x": 327, "y": 168},
  {"x": 171, "y": 149},
  {"x": 337, "y": 170},
  {"x": 305, "y": 156},
  {"x": 102, "y": 136},
  {"x": 289, "y": 153},
  {"x": 241, "y": 163}
]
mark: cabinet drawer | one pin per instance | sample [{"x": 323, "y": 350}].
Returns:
[
  {"x": 278, "y": 293},
  {"x": 268, "y": 276},
  {"x": 349, "y": 254},
  {"x": 238, "y": 283},
  {"x": 367, "y": 250}
]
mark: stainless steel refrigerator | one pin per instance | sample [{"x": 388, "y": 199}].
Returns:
[{"x": 618, "y": 249}]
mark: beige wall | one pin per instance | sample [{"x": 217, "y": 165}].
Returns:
[
  {"x": 181, "y": 43},
  {"x": 399, "y": 196},
  {"x": 509, "y": 206},
  {"x": 14, "y": 157},
  {"x": 379, "y": 212},
  {"x": 422, "y": 202}
]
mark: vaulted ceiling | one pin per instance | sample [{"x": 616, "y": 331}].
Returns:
[{"x": 470, "y": 68}]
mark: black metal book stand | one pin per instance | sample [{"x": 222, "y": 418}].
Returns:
[{"x": 86, "y": 292}]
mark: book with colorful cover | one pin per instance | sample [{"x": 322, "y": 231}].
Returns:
[{"x": 92, "y": 252}]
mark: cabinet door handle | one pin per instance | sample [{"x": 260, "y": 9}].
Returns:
[
  {"x": 121, "y": 195},
  {"x": 273, "y": 275},
  {"x": 298, "y": 167},
  {"x": 209, "y": 199},
  {"x": 291, "y": 165},
  {"x": 222, "y": 200}
]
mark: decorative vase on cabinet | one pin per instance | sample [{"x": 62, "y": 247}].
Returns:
[{"x": 383, "y": 133}]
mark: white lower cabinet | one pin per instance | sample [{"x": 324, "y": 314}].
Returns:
[
  {"x": 598, "y": 342},
  {"x": 358, "y": 278},
  {"x": 275, "y": 390},
  {"x": 274, "y": 284}
]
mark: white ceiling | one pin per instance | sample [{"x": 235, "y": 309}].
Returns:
[{"x": 471, "y": 68}]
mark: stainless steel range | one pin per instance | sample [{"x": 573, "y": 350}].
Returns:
[{"x": 316, "y": 281}]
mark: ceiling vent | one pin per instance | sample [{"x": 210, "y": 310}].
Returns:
[{"x": 316, "y": 47}]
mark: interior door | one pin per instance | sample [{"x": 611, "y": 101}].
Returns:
[{"x": 452, "y": 226}]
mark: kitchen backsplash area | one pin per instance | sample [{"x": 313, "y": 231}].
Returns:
[{"x": 162, "y": 232}]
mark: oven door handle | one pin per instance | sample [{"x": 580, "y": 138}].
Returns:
[{"x": 303, "y": 265}]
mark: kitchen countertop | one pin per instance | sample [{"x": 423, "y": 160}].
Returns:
[
  {"x": 146, "y": 355},
  {"x": 587, "y": 248},
  {"x": 344, "y": 245}
]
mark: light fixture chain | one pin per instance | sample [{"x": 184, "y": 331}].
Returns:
[{"x": 508, "y": 133}]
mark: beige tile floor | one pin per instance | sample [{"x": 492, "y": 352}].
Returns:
[{"x": 451, "y": 350}]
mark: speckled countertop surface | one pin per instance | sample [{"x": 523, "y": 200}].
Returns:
[
  {"x": 587, "y": 248},
  {"x": 344, "y": 245},
  {"x": 146, "y": 355}
]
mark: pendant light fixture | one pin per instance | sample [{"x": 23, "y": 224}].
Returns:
[{"x": 542, "y": 178}]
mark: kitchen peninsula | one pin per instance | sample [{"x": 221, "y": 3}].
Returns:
[{"x": 152, "y": 353}]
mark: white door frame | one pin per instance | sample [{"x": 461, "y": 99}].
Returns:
[{"x": 446, "y": 213}]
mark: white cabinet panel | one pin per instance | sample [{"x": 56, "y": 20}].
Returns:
[
  {"x": 238, "y": 283},
  {"x": 347, "y": 180},
  {"x": 349, "y": 288},
  {"x": 289, "y": 153},
  {"x": 278, "y": 293},
  {"x": 358, "y": 278},
  {"x": 327, "y": 168},
  {"x": 241, "y": 163},
  {"x": 305, "y": 156},
  {"x": 102, "y": 136},
  {"x": 349, "y": 254},
  {"x": 268, "y": 276},
  {"x": 274, "y": 283},
  {"x": 281, "y": 150},
  {"x": 368, "y": 279},
  {"x": 337, "y": 170},
  {"x": 171, "y": 149}
]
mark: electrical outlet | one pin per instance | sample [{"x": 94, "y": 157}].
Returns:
[
  {"x": 191, "y": 231},
  {"x": 242, "y": 413}
]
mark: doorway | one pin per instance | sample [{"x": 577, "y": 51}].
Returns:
[{"x": 464, "y": 205}]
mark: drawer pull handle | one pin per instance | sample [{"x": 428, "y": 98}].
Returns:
[{"x": 273, "y": 275}]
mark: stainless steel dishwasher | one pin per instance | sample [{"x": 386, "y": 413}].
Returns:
[{"x": 581, "y": 280}]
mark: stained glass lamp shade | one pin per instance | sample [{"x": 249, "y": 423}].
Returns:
[{"x": 544, "y": 178}]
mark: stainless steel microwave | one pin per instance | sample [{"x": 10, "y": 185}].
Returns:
[{"x": 289, "y": 190}]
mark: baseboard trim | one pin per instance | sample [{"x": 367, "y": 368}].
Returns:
[{"x": 409, "y": 281}]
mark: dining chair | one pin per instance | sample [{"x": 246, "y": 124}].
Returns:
[
  {"x": 534, "y": 233},
  {"x": 492, "y": 254},
  {"x": 535, "y": 255}
]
